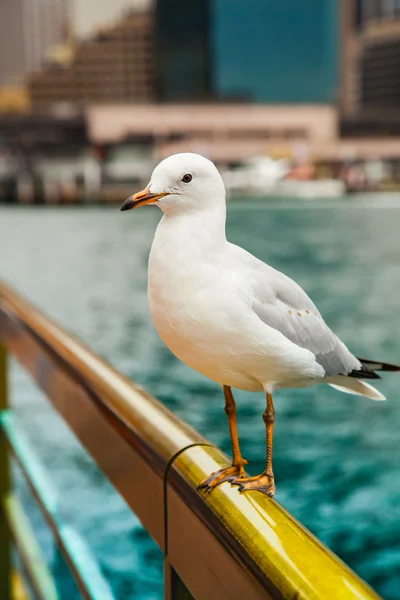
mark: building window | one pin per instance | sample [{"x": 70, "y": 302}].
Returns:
[
  {"x": 388, "y": 9},
  {"x": 358, "y": 14},
  {"x": 373, "y": 9},
  {"x": 370, "y": 9},
  {"x": 380, "y": 77},
  {"x": 377, "y": 9}
]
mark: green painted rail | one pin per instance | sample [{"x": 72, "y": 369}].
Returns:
[{"x": 221, "y": 546}]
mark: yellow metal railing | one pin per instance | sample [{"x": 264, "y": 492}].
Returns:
[{"x": 221, "y": 546}]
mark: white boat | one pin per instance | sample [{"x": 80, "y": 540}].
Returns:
[
  {"x": 264, "y": 176},
  {"x": 258, "y": 175},
  {"x": 312, "y": 189}
]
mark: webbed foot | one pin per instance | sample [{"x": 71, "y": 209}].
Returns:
[
  {"x": 261, "y": 483},
  {"x": 234, "y": 472}
]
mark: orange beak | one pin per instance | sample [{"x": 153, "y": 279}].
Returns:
[{"x": 140, "y": 199}]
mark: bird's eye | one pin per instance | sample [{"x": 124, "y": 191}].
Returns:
[{"x": 187, "y": 178}]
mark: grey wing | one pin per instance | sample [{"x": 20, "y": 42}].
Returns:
[{"x": 282, "y": 304}]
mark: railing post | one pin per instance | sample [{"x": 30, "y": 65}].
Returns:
[
  {"x": 5, "y": 540},
  {"x": 174, "y": 588},
  {"x": 167, "y": 580}
]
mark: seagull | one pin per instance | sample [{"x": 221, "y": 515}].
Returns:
[{"x": 230, "y": 316}]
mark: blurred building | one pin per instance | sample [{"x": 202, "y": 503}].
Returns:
[
  {"x": 14, "y": 99},
  {"x": 223, "y": 132},
  {"x": 115, "y": 66},
  {"x": 88, "y": 15},
  {"x": 371, "y": 67},
  {"x": 248, "y": 50},
  {"x": 28, "y": 30}
]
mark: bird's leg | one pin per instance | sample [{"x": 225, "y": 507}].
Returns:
[
  {"x": 265, "y": 482},
  {"x": 236, "y": 470}
]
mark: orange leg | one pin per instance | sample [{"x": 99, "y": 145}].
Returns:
[
  {"x": 265, "y": 482},
  {"x": 236, "y": 470}
]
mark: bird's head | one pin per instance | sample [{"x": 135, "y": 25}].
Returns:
[{"x": 181, "y": 183}]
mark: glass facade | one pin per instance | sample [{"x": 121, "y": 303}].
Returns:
[
  {"x": 274, "y": 50},
  {"x": 270, "y": 51},
  {"x": 183, "y": 59}
]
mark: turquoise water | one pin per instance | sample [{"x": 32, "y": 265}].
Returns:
[{"x": 337, "y": 457}]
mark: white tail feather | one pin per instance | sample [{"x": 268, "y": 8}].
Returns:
[{"x": 350, "y": 385}]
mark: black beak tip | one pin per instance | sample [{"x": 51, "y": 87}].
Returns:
[{"x": 128, "y": 204}]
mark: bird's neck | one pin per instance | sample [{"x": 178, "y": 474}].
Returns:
[{"x": 200, "y": 232}]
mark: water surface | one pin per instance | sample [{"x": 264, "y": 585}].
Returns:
[{"x": 337, "y": 457}]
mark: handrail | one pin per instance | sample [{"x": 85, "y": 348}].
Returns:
[{"x": 223, "y": 545}]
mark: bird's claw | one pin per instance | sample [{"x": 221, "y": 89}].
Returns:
[
  {"x": 234, "y": 472},
  {"x": 261, "y": 483}
]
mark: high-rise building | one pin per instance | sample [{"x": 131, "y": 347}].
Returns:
[
  {"x": 114, "y": 65},
  {"x": 28, "y": 30},
  {"x": 248, "y": 50},
  {"x": 371, "y": 66}
]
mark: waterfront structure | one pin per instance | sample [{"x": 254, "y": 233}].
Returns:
[
  {"x": 115, "y": 66},
  {"x": 188, "y": 80},
  {"x": 223, "y": 132},
  {"x": 28, "y": 30},
  {"x": 233, "y": 132},
  {"x": 370, "y": 64},
  {"x": 247, "y": 50}
]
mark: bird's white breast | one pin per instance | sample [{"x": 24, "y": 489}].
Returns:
[
  {"x": 180, "y": 306},
  {"x": 188, "y": 306},
  {"x": 199, "y": 311}
]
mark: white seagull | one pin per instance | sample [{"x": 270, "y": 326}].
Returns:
[{"x": 230, "y": 316}]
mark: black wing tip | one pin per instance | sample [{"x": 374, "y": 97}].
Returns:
[
  {"x": 369, "y": 368},
  {"x": 364, "y": 374},
  {"x": 376, "y": 365}
]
